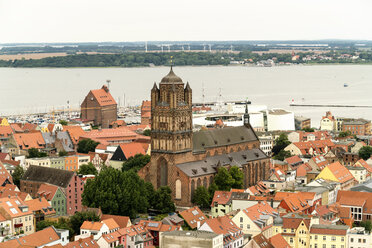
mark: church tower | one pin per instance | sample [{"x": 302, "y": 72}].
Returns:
[{"x": 171, "y": 124}]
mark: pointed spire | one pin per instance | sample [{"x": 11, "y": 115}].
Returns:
[
  {"x": 246, "y": 114},
  {"x": 155, "y": 87},
  {"x": 187, "y": 86}
]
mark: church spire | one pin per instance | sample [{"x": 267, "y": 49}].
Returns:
[{"x": 246, "y": 114}]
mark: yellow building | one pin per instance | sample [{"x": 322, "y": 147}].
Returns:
[
  {"x": 328, "y": 236},
  {"x": 4, "y": 122},
  {"x": 221, "y": 203},
  {"x": 338, "y": 173},
  {"x": 295, "y": 229}
]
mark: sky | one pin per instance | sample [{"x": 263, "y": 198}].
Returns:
[{"x": 23, "y": 21}]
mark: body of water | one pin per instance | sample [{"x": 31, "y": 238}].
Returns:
[{"x": 26, "y": 90}]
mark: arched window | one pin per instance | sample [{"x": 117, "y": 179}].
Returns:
[
  {"x": 205, "y": 182},
  {"x": 192, "y": 189},
  {"x": 198, "y": 184},
  {"x": 178, "y": 189},
  {"x": 162, "y": 172}
]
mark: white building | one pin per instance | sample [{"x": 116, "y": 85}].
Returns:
[
  {"x": 359, "y": 238},
  {"x": 280, "y": 119}
]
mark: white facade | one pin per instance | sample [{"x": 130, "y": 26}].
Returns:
[
  {"x": 358, "y": 238},
  {"x": 280, "y": 119},
  {"x": 266, "y": 145}
]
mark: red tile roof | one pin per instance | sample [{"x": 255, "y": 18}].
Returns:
[
  {"x": 5, "y": 131},
  {"x": 83, "y": 243},
  {"x": 41, "y": 204},
  {"x": 223, "y": 225},
  {"x": 132, "y": 148},
  {"x": 261, "y": 208},
  {"x": 48, "y": 191},
  {"x": 4, "y": 174},
  {"x": 329, "y": 229},
  {"x": 293, "y": 220},
  {"x": 293, "y": 160},
  {"x": 340, "y": 172},
  {"x": 16, "y": 127},
  {"x": 363, "y": 163},
  {"x": 262, "y": 241},
  {"x": 75, "y": 132},
  {"x": 158, "y": 226},
  {"x": 221, "y": 197},
  {"x": 355, "y": 198},
  {"x": 91, "y": 225},
  {"x": 320, "y": 161},
  {"x": 26, "y": 141},
  {"x": 279, "y": 242},
  {"x": 192, "y": 216},
  {"x": 122, "y": 221},
  {"x": 103, "y": 96},
  {"x": 29, "y": 127}
]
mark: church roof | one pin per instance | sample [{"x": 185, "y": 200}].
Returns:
[
  {"x": 171, "y": 78},
  {"x": 209, "y": 164},
  {"x": 222, "y": 137}
]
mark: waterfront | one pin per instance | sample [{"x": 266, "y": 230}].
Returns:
[{"x": 29, "y": 90}]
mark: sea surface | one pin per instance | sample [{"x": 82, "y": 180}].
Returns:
[{"x": 29, "y": 90}]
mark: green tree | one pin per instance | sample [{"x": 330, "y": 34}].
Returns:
[
  {"x": 87, "y": 169},
  {"x": 280, "y": 143},
  {"x": 147, "y": 132},
  {"x": 223, "y": 179},
  {"x": 365, "y": 152},
  {"x": 34, "y": 153},
  {"x": 136, "y": 163},
  {"x": 237, "y": 176},
  {"x": 87, "y": 145},
  {"x": 212, "y": 188},
  {"x": 17, "y": 175},
  {"x": 308, "y": 129},
  {"x": 117, "y": 192},
  {"x": 282, "y": 155},
  {"x": 201, "y": 197},
  {"x": 62, "y": 153},
  {"x": 164, "y": 201},
  {"x": 62, "y": 223},
  {"x": 79, "y": 217},
  {"x": 344, "y": 134},
  {"x": 63, "y": 122}
]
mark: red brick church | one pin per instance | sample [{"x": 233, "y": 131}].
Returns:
[{"x": 185, "y": 160}]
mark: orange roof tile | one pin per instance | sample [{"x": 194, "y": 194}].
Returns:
[
  {"x": 103, "y": 96},
  {"x": 279, "y": 242},
  {"x": 75, "y": 132},
  {"x": 16, "y": 127},
  {"x": 5, "y": 131},
  {"x": 192, "y": 216},
  {"x": 262, "y": 241},
  {"x": 132, "y": 148},
  {"x": 26, "y": 141},
  {"x": 4, "y": 175},
  {"x": 254, "y": 212},
  {"x": 88, "y": 242},
  {"x": 111, "y": 223},
  {"x": 40, "y": 204},
  {"x": 293, "y": 160},
  {"x": 340, "y": 172},
  {"x": 91, "y": 225},
  {"x": 122, "y": 221},
  {"x": 48, "y": 191},
  {"x": 221, "y": 197},
  {"x": 223, "y": 225}
]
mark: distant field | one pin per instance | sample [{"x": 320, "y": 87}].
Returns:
[
  {"x": 36, "y": 55},
  {"x": 283, "y": 51}
]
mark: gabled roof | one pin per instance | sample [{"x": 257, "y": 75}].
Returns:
[
  {"x": 295, "y": 203},
  {"x": 52, "y": 176},
  {"x": 111, "y": 237},
  {"x": 279, "y": 242},
  {"x": 37, "y": 239},
  {"x": 16, "y": 127},
  {"x": 340, "y": 172},
  {"x": 103, "y": 96},
  {"x": 259, "y": 210},
  {"x": 88, "y": 242},
  {"x": 5, "y": 131},
  {"x": 294, "y": 160},
  {"x": 122, "y": 221},
  {"x": 13, "y": 206},
  {"x": 29, "y": 127},
  {"x": 363, "y": 163},
  {"x": 293, "y": 220},
  {"x": 91, "y": 225},
  {"x": 356, "y": 199},
  {"x": 221, "y": 197},
  {"x": 158, "y": 226},
  {"x": 192, "y": 216},
  {"x": 262, "y": 241},
  {"x": 110, "y": 223},
  {"x": 320, "y": 161},
  {"x": 41, "y": 204},
  {"x": 4, "y": 175},
  {"x": 47, "y": 190},
  {"x": 26, "y": 141},
  {"x": 132, "y": 148},
  {"x": 75, "y": 132},
  {"x": 223, "y": 225}
]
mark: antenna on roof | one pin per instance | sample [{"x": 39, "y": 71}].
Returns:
[{"x": 108, "y": 81}]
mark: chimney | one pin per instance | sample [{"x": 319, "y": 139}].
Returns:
[
  {"x": 198, "y": 224},
  {"x": 272, "y": 202},
  {"x": 104, "y": 87}
]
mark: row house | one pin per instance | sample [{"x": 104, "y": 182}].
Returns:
[
  {"x": 357, "y": 127},
  {"x": 364, "y": 164},
  {"x": 49, "y": 236},
  {"x": 256, "y": 219},
  {"x": 98, "y": 229},
  {"x": 135, "y": 236},
  {"x": 87, "y": 242},
  {"x": 294, "y": 228},
  {"x": 55, "y": 196},
  {"x": 222, "y": 201},
  {"x": 328, "y": 236},
  {"x": 157, "y": 228},
  {"x": 70, "y": 183},
  {"x": 302, "y": 136},
  {"x": 338, "y": 173},
  {"x": 18, "y": 213},
  {"x": 232, "y": 234},
  {"x": 310, "y": 148},
  {"x": 41, "y": 209},
  {"x": 360, "y": 204},
  {"x": 321, "y": 184}
]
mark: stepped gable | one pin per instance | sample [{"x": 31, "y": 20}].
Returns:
[
  {"x": 222, "y": 137},
  {"x": 52, "y": 176}
]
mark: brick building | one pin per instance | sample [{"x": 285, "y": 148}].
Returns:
[
  {"x": 71, "y": 184},
  {"x": 146, "y": 113},
  {"x": 185, "y": 160},
  {"x": 357, "y": 127},
  {"x": 99, "y": 107}
]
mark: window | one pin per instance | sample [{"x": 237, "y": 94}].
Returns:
[
  {"x": 324, "y": 238},
  {"x": 241, "y": 219},
  {"x": 248, "y": 226},
  {"x": 333, "y": 238}
]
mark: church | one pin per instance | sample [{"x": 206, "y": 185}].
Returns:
[{"x": 185, "y": 160}]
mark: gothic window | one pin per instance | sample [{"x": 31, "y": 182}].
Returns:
[
  {"x": 198, "y": 182},
  {"x": 192, "y": 188},
  {"x": 205, "y": 182},
  {"x": 162, "y": 172},
  {"x": 178, "y": 189},
  {"x": 210, "y": 180}
]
